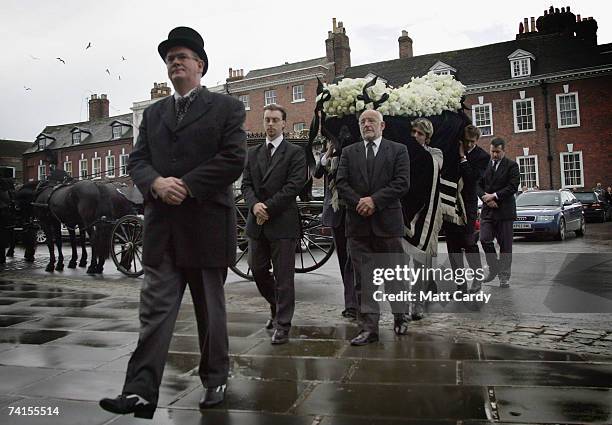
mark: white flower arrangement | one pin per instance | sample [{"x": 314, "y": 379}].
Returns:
[{"x": 423, "y": 96}]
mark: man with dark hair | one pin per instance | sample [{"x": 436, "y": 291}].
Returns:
[
  {"x": 473, "y": 162},
  {"x": 275, "y": 174},
  {"x": 190, "y": 149},
  {"x": 496, "y": 190}
]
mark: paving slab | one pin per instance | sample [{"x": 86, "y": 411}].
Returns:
[
  {"x": 290, "y": 369},
  {"x": 61, "y": 323},
  {"x": 59, "y": 357},
  {"x": 97, "y": 339},
  {"x": 176, "y": 364},
  {"x": 11, "y": 320},
  {"x": 425, "y": 372},
  {"x": 509, "y": 352},
  {"x": 404, "y": 349},
  {"x": 215, "y": 417},
  {"x": 29, "y": 336},
  {"x": 299, "y": 348},
  {"x": 16, "y": 377}
]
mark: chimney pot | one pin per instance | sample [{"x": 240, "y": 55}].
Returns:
[
  {"x": 98, "y": 107},
  {"x": 526, "y": 24},
  {"x": 533, "y": 24},
  {"x": 405, "y": 45}
]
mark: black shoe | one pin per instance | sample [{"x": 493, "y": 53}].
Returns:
[
  {"x": 213, "y": 396},
  {"x": 504, "y": 284},
  {"x": 280, "y": 336},
  {"x": 270, "y": 323},
  {"x": 489, "y": 277},
  {"x": 129, "y": 403},
  {"x": 476, "y": 287},
  {"x": 400, "y": 325},
  {"x": 364, "y": 338},
  {"x": 350, "y": 313},
  {"x": 418, "y": 312}
]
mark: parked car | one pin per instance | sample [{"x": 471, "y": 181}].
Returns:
[
  {"x": 549, "y": 213},
  {"x": 595, "y": 207}
]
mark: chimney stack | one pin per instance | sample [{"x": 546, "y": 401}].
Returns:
[
  {"x": 338, "y": 49},
  {"x": 160, "y": 90},
  {"x": 533, "y": 24},
  {"x": 235, "y": 74},
  {"x": 526, "y": 24},
  {"x": 98, "y": 107},
  {"x": 405, "y": 45}
]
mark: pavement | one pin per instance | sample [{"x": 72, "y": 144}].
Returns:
[{"x": 538, "y": 352}]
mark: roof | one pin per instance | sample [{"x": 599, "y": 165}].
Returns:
[
  {"x": 287, "y": 67},
  {"x": 13, "y": 148},
  {"x": 553, "y": 53},
  {"x": 99, "y": 130}
]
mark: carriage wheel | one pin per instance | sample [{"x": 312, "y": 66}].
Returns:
[
  {"x": 126, "y": 245},
  {"x": 314, "y": 248}
]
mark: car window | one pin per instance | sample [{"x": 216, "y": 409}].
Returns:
[
  {"x": 586, "y": 196},
  {"x": 534, "y": 199}
]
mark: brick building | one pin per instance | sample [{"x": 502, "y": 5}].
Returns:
[
  {"x": 547, "y": 93},
  {"x": 10, "y": 158},
  {"x": 97, "y": 148},
  {"x": 292, "y": 85}
]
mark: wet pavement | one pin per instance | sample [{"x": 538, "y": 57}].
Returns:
[{"x": 65, "y": 340}]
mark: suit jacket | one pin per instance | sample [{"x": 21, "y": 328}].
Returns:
[
  {"x": 391, "y": 180},
  {"x": 207, "y": 150},
  {"x": 329, "y": 216},
  {"x": 504, "y": 182},
  {"x": 277, "y": 187},
  {"x": 472, "y": 171}
]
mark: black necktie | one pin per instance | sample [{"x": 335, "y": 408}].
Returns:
[
  {"x": 370, "y": 160},
  {"x": 270, "y": 146},
  {"x": 495, "y": 161},
  {"x": 181, "y": 108}
]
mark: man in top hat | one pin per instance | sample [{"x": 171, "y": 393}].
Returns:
[{"x": 190, "y": 150}]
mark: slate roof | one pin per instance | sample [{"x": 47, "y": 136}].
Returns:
[
  {"x": 489, "y": 63},
  {"x": 99, "y": 130},
  {"x": 286, "y": 67},
  {"x": 12, "y": 148}
]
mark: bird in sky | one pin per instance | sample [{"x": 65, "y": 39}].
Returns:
[
  {"x": 123, "y": 58},
  {"x": 88, "y": 45},
  {"x": 27, "y": 88},
  {"x": 120, "y": 77},
  {"x": 61, "y": 60},
  {"x": 35, "y": 58},
  {"x": 107, "y": 71}
]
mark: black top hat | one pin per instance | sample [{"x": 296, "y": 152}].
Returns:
[{"x": 184, "y": 37}]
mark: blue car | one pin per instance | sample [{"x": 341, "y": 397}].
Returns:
[{"x": 548, "y": 213}]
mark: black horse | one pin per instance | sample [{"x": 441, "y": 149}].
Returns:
[{"x": 89, "y": 205}]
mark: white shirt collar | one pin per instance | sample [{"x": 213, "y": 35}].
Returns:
[
  {"x": 376, "y": 143},
  {"x": 178, "y": 96},
  {"x": 276, "y": 141}
]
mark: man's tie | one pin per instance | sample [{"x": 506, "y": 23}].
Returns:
[
  {"x": 181, "y": 108},
  {"x": 495, "y": 161},
  {"x": 270, "y": 146},
  {"x": 370, "y": 161}
]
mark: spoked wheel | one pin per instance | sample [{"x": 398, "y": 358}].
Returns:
[
  {"x": 313, "y": 249},
  {"x": 126, "y": 245}
]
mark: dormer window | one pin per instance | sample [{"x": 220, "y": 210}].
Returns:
[
  {"x": 441, "y": 68},
  {"x": 117, "y": 131},
  {"x": 41, "y": 142},
  {"x": 520, "y": 63},
  {"x": 76, "y": 137}
]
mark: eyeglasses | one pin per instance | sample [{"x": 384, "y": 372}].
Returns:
[{"x": 181, "y": 58}]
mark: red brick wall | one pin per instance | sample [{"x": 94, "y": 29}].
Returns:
[{"x": 593, "y": 137}]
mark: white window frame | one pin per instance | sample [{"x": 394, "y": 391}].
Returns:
[
  {"x": 298, "y": 90},
  {"x": 42, "y": 172},
  {"x": 514, "y": 103},
  {"x": 9, "y": 167},
  {"x": 96, "y": 168},
  {"x": 563, "y": 170},
  {"x": 42, "y": 143},
  {"x": 244, "y": 98},
  {"x": 83, "y": 171},
  {"x": 117, "y": 131},
  {"x": 68, "y": 167},
  {"x": 523, "y": 71},
  {"x": 76, "y": 138},
  {"x": 267, "y": 98},
  {"x": 303, "y": 125},
  {"x": 519, "y": 161},
  {"x": 489, "y": 106},
  {"x": 110, "y": 168},
  {"x": 123, "y": 161},
  {"x": 559, "y": 96}
]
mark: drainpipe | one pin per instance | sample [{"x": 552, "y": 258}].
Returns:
[{"x": 544, "y": 86}]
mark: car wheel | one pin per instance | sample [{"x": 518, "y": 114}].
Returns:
[
  {"x": 40, "y": 236},
  {"x": 580, "y": 232},
  {"x": 561, "y": 235}
]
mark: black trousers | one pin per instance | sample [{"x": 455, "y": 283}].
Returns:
[
  {"x": 277, "y": 287},
  {"x": 160, "y": 300},
  {"x": 502, "y": 231},
  {"x": 346, "y": 266},
  {"x": 461, "y": 239}
]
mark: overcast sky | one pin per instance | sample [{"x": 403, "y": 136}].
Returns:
[{"x": 249, "y": 34}]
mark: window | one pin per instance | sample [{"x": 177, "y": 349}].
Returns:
[
  {"x": 483, "y": 119},
  {"x": 110, "y": 166},
  {"x": 520, "y": 67},
  {"x": 11, "y": 170},
  {"x": 445, "y": 72},
  {"x": 76, "y": 137},
  {"x": 96, "y": 168},
  {"x": 123, "y": 161},
  {"x": 572, "y": 174},
  {"x": 269, "y": 97},
  {"x": 568, "y": 111},
  {"x": 83, "y": 168},
  {"x": 68, "y": 167},
  {"x": 42, "y": 172},
  {"x": 298, "y": 93},
  {"x": 299, "y": 126},
  {"x": 244, "y": 98},
  {"x": 528, "y": 166},
  {"x": 42, "y": 143},
  {"x": 524, "y": 119},
  {"x": 116, "y": 131}
]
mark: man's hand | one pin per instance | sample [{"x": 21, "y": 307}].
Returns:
[
  {"x": 171, "y": 190},
  {"x": 261, "y": 212},
  {"x": 366, "y": 207},
  {"x": 488, "y": 197},
  {"x": 492, "y": 204}
]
